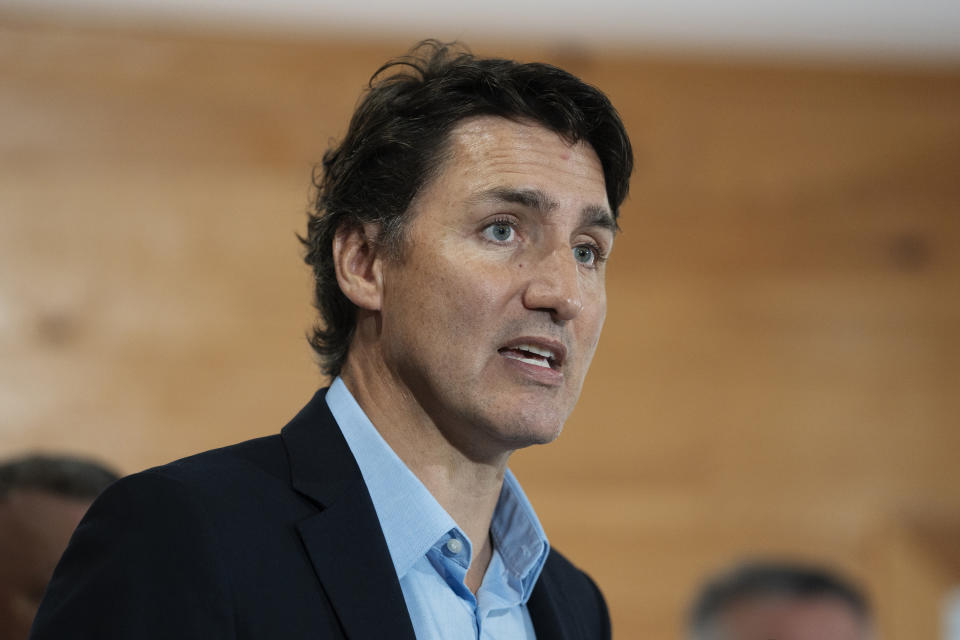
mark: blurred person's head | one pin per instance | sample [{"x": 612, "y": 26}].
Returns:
[
  {"x": 779, "y": 601},
  {"x": 399, "y": 139},
  {"x": 42, "y": 499}
]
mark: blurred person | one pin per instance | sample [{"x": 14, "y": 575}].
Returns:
[
  {"x": 42, "y": 498},
  {"x": 780, "y": 601},
  {"x": 459, "y": 240}
]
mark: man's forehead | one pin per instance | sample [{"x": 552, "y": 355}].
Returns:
[
  {"x": 507, "y": 153},
  {"x": 522, "y": 134}
]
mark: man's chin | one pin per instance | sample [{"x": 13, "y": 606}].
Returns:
[{"x": 532, "y": 431}]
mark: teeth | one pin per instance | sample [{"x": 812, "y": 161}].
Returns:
[
  {"x": 535, "y": 361},
  {"x": 546, "y": 353}
]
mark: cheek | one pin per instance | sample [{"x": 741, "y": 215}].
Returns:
[
  {"x": 442, "y": 305},
  {"x": 595, "y": 313},
  {"x": 472, "y": 289}
]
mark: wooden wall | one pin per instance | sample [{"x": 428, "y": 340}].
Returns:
[{"x": 780, "y": 371}]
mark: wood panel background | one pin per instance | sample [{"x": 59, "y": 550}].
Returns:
[{"x": 780, "y": 368}]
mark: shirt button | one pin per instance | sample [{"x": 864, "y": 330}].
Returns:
[{"x": 454, "y": 546}]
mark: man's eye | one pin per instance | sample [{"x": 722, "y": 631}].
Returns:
[
  {"x": 499, "y": 232},
  {"x": 585, "y": 254}
]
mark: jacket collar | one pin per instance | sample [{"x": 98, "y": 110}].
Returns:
[
  {"x": 546, "y": 607},
  {"x": 344, "y": 540}
]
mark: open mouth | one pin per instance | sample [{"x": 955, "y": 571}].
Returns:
[{"x": 533, "y": 354}]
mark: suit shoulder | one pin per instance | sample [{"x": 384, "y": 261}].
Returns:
[
  {"x": 147, "y": 524},
  {"x": 258, "y": 459},
  {"x": 261, "y": 460},
  {"x": 196, "y": 488},
  {"x": 266, "y": 452}
]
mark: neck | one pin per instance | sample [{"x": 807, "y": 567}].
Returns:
[{"x": 467, "y": 486}]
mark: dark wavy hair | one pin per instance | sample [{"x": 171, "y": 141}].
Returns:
[
  {"x": 62, "y": 475},
  {"x": 397, "y": 141},
  {"x": 760, "y": 578}
]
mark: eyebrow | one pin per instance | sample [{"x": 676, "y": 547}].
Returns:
[{"x": 591, "y": 215}]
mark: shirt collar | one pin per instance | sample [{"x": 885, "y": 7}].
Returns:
[
  {"x": 411, "y": 518},
  {"x": 518, "y": 535}
]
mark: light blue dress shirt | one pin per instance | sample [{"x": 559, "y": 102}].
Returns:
[{"x": 431, "y": 554}]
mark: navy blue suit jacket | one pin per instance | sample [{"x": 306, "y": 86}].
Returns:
[{"x": 274, "y": 538}]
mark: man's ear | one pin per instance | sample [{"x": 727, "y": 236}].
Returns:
[{"x": 359, "y": 265}]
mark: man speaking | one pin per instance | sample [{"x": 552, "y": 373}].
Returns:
[{"x": 458, "y": 242}]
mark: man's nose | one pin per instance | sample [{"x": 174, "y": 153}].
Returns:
[{"x": 554, "y": 285}]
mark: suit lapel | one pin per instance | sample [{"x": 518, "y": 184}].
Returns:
[
  {"x": 546, "y": 608},
  {"x": 344, "y": 540}
]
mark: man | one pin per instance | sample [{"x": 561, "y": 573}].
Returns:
[
  {"x": 458, "y": 245},
  {"x": 779, "y": 601},
  {"x": 42, "y": 498}
]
